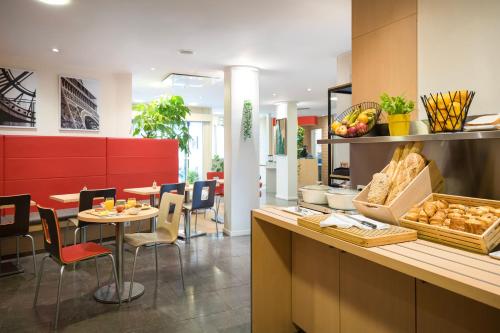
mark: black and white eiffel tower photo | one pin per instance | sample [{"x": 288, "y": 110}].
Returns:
[
  {"x": 17, "y": 98},
  {"x": 79, "y": 104}
]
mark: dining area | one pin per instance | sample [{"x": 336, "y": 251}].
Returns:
[{"x": 114, "y": 246}]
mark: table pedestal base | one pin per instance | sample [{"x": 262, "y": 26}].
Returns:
[
  {"x": 107, "y": 294},
  {"x": 193, "y": 235},
  {"x": 9, "y": 268}
]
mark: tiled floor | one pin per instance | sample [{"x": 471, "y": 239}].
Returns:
[{"x": 216, "y": 299}]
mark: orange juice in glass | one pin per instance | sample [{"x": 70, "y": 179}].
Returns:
[
  {"x": 131, "y": 202},
  {"x": 109, "y": 203}
]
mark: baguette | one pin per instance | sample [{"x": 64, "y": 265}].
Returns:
[
  {"x": 411, "y": 167},
  {"x": 394, "y": 162}
]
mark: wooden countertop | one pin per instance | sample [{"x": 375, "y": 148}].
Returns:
[{"x": 469, "y": 274}]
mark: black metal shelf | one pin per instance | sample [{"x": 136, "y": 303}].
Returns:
[{"x": 345, "y": 88}]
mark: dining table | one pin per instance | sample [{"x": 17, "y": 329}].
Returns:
[
  {"x": 8, "y": 267},
  {"x": 107, "y": 293}
]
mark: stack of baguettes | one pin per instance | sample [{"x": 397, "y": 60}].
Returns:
[{"x": 406, "y": 163}]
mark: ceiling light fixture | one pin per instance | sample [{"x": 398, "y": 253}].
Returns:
[
  {"x": 186, "y": 51},
  {"x": 55, "y": 2},
  {"x": 334, "y": 98},
  {"x": 153, "y": 69},
  {"x": 55, "y": 50},
  {"x": 309, "y": 89},
  {"x": 274, "y": 94}
]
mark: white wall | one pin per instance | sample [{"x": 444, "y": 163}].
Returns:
[
  {"x": 459, "y": 48},
  {"x": 115, "y": 105},
  {"x": 286, "y": 165}
]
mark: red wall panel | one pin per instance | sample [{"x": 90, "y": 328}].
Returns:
[
  {"x": 139, "y": 162},
  {"x": 47, "y": 165}
]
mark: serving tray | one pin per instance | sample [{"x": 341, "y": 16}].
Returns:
[{"x": 362, "y": 237}]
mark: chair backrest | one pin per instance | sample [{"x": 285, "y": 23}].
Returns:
[
  {"x": 51, "y": 232},
  {"x": 87, "y": 199},
  {"x": 200, "y": 199},
  {"x": 176, "y": 188},
  {"x": 168, "y": 201},
  {"x": 21, "y": 223},
  {"x": 219, "y": 190}
]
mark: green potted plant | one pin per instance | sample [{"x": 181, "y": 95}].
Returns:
[
  {"x": 163, "y": 118},
  {"x": 217, "y": 163},
  {"x": 398, "y": 110}
]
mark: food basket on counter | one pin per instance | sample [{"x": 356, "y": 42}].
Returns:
[
  {"x": 447, "y": 111},
  {"x": 468, "y": 223},
  {"x": 427, "y": 181},
  {"x": 407, "y": 179},
  {"x": 357, "y": 120}
]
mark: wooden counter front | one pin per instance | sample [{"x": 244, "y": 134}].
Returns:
[{"x": 302, "y": 278}]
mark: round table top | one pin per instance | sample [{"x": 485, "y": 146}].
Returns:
[{"x": 88, "y": 216}]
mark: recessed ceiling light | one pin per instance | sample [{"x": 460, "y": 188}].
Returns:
[
  {"x": 274, "y": 94},
  {"x": 334, "y": 98},
  {"x": 55, "y": 50},
  {"x": 56, "y": 2},
  {"x": 153, "y": 69},
  {"x": 309, "y": 89},
  {"x": 186, "y": 51}
]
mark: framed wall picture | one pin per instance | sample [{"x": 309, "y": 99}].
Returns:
[
  {"x": 79, "y": 103},
  {"x": 280, "y": 136},
  {"x": 17, "y": 98}
]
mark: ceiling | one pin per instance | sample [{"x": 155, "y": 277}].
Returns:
[{"x": 293, "y": 43}]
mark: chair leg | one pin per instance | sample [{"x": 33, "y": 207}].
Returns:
[
  {"x": 17, "y": 251},
  {"x": 195, "y": 222},
  {"x": 180, "y": 261},
  {"x": 133, "y": 273},
  {"x": 76, "y": 232},
  {"x": 32, "y": 251},
  {"x": 156, "y": 260},
  {"x": 217, "y": 217},
  {"x": 115, "y": 274},
  {"x": 59, "y": 288},
  {"x": 39, "y": 278},
  {"x": 100, "y": 234},
  {"x": 97, "y": 272}
]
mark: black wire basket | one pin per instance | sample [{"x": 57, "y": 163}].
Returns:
[
  {"x": 447, "y": 112},
  {"x": 359, "y": 108}
]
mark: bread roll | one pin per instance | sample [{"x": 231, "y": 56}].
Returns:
[
  {"x": 430, "y": 208},
  {"x": 457, "y": 223},
  {"x": 441, "y": 204},
  {"x": 379, "y": 188}
]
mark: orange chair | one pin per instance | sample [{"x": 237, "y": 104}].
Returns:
[{"x": 67, "y": 255}]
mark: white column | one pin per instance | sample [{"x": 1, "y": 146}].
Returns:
[
  {"x": 286, "y": 165},
  {"x": 241, "y": 157}
]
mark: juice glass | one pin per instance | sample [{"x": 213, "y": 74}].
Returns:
[
  {"x": 109, "y": 203},
  {"x": 131, "y": 202}
]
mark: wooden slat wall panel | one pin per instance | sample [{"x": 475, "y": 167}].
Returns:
[
  {"x": 370, "y": 15},
  {"x": 374, "y": 298},
  {"x": 315, "y": 285},
  {"x": 271, "y": 278},
  {"x": 384, "y": 49},
  {"x": 439, "y": 310}
]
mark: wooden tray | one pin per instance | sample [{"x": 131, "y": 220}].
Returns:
[
  {"x": 361, "y": 237},
  {"x": 427, "y": 181},
  {"x": 477, "y": 243}
]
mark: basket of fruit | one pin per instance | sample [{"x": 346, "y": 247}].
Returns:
[
  {"x": 356, "y": 121},
  {"x": 447, "y": 111}
]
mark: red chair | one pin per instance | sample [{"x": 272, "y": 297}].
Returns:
[
  {"x": 67, "y": 255},
  {"x": 219, "y": 194}
]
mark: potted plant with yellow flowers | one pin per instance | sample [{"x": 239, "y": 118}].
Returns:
[{"x": 399, "y": 112}]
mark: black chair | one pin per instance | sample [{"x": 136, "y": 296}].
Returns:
[
  {"x": 67, "y": 255},
  {"x": 200, "y": 200},
  {"x": 177, "y": 188},
  {"x": 87, "y": 202},
  {"x": 21, "y": 225}
]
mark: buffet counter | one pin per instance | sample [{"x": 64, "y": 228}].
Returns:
[{"x": 302, "y": 279}]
